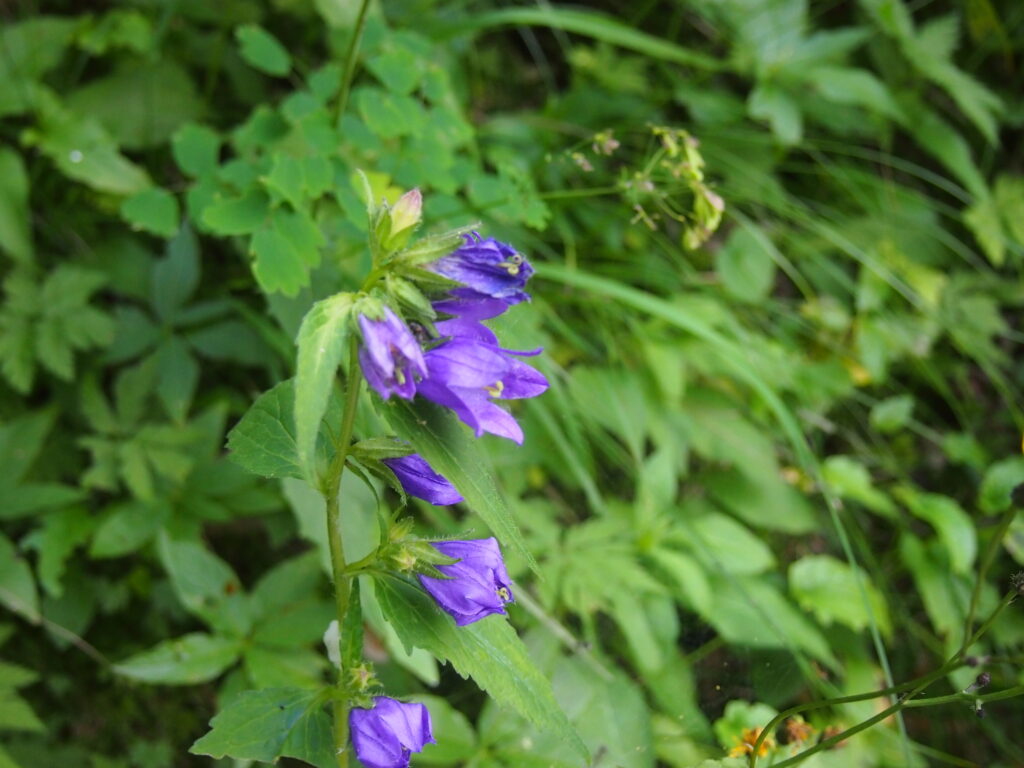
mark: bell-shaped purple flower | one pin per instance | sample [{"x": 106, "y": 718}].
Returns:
[
  {"x": 478, "y": 585},
  {"x": 385, "y": 736},
  {"x": 419, "y": 479},
  {"x": 467, "y": 371},
  {"x": 488, "y": 268},
  {"x": 390, "y": 357}
]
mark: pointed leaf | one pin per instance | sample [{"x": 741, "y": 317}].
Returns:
[
  {"x": 488, "y": 650},
  {"x": 321, "y": 343},
  {"x": 187, "y": 660},
  {"x": 439, "y": 438}
]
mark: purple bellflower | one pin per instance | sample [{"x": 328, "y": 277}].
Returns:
[
  {"x": 488, "y": 269},
  {"x": 390, "y": 357},
  {"x": 467, "y": 371},
  {"x": 419, "y": 479},
  {"x": 478, "y": 585},
  {"x": 385, "y": 736}
]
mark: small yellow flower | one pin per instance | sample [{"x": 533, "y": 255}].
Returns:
[{"x": 746, "y": 743}]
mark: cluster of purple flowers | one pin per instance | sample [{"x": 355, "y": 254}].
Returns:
[{"x": 466, "y": 372}]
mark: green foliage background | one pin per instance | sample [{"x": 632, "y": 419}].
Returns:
[{"x": 768, "y": 466}]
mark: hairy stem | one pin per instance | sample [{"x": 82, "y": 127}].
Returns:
[
  {"x": 342, "y": 579},
  {"x": 350, "y": 59}
]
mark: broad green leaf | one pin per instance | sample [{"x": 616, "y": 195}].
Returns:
[
  {"x": 13, "y": 676},
  {"x": 187, "y": 660},
  {"x": 237, "y": 215},
  {"x": 399, "y": 69},
  {"x": 126, "y": 527},
  {"x": 751, "y": 612},
  {"x": 892, "y": 414},
  {"x": 178, "y": 377},
  {"x": 438, "y": 436},
  {"x": 206, "y": 585},
  {"x": 851, "y": 480},
  {"x": 17, "y": 715},
  {"x": 15, "y": 230},
  {"x": 175, "y": 277},
  {"x": 488, "y": 650},
  {"x": 264, "y": 441},
  {"x": 828, "y": 588},
  {"x": 17, "y": 587},
  {"x": 154, "y": 210},
  {"x": 770, "y": 103},
  {"x": 687, "y": 577},
  {"x": 950, "y": 521},
  {"x": 746, "y": 269},
  {"x": 729, "y": 545},
  {"x": 285, "y": 250},
  {"x": 141, "y": 103},
  {"x": 31, "y": 48},
  {"x": 61, "y": 533},
  {"x": 262, "y": 50},
  {"x": 849, "y": 85},
  {"x": 1001, "y": 479},
  {"x": 268, "y": 724},
  {"x": 196, "y": 149},
  {"x": 21, "y": 439},
  {"x": 322, "y": 345},
  {"x": 84, "y": 151}
]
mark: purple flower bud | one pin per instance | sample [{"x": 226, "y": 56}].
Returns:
[
  {"x": 470, "y": 369},
  {"x": 390, "y": 357},
  {"x": 419, "y": 479},
  {"x": 385, "y": 736},
  {"x": 478, "y": 585},
  {"x": 487, "y": 267}
]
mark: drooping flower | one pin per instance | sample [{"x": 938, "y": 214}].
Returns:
[
  {"x": 488, "y": 268},
  {"x": 469, "y": 369},
  {"x": 385, "y": 736},
  {"x": 419, "y": 479},
  {"x": 390, "y": 357},
  {"x": 477, "y": 585}
]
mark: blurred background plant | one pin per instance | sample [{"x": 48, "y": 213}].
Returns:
[{"x": 779, "y": 250}]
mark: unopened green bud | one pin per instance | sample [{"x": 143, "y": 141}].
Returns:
[{"x": 407, "y": 211}]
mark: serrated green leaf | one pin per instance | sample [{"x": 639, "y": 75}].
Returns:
[
  {"x": 321, "y": 342},
  {"x": 206, "y": 585},
  {"x": 439, "y": 438},
  {"x": 262, "y": 50},
  {"x": 153, "y": 210},
  {"x": 488, "y": 650},
  {"x": 264, "y": 725},
  {"x": 186, "y": 660},
  {"x": 263, "y": 442},
  {"x": 178, "y": 377}
]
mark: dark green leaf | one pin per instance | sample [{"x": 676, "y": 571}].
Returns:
[
  {"x": 186, "y": 660},
  {"x": 264, "y": 725},
  {"x": 437, "y": 435},
  {"x": 262, "y": 50},
  {"x": 488, "y": 650}
]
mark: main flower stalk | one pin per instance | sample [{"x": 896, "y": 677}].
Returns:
[{"x": 342, "y": 583}]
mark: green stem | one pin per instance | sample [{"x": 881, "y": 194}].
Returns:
[
  {"x": 983, "y": 566},
  {"x": 350, "y": 59},
  {"x": 914, "y": 686},
  {"x": 967, "y": 698},
  {"x": 342, "y": 579}
]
